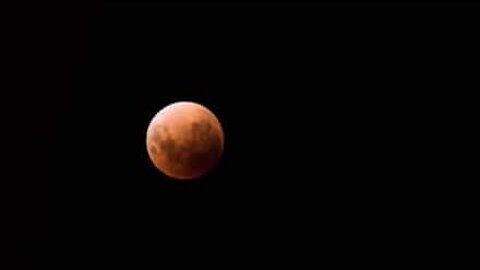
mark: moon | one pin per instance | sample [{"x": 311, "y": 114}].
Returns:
[{"x": 184, "y": 140}]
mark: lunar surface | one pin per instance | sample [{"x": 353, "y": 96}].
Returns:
[{"x": 184, "y": 140}]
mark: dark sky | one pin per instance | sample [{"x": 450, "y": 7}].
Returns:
[{"x": 321, "y": 106}]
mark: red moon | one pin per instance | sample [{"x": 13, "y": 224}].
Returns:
[{"x": 184, "y": 140}]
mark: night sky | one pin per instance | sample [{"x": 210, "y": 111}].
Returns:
[{"x": 319, "y": 104}]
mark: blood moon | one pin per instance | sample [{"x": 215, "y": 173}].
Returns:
[{"x": 184, "y": 140}]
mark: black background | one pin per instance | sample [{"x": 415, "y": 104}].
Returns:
[{"x": 323, "y": 109}]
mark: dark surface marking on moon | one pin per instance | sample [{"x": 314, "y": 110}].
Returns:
[
  {"x": 153, "y": 149},
  {"x": 168, "y": 145},
  {"x": 193, "y": 156},
  {"x": 198, "y": 153},
  {"x": 205, "y": 146}
]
